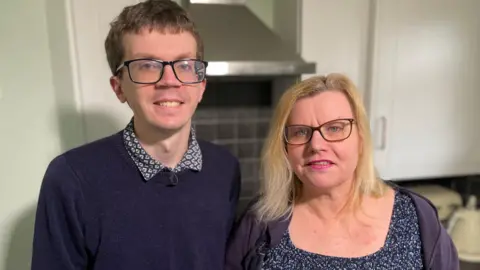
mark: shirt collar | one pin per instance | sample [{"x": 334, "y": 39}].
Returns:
[{"x": 148, "y": 166}]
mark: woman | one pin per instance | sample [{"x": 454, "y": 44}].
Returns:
[{"x": 322, "y": 205}]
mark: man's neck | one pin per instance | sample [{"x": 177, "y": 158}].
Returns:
[{"x": 167, "y": 147}]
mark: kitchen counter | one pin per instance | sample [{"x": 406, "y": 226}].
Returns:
[{"x": 469, "y": 266}]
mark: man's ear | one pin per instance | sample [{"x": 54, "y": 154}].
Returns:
[
  {"x": 202, "y": 87},
  {"x": 117, "y": 88}
]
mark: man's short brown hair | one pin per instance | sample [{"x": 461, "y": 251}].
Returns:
[{"x": 159, "y": 15}]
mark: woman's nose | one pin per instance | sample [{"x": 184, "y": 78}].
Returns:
[{"x": 317, "y": 142}]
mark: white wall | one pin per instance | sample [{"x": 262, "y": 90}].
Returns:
[
  {"x": 29, "y": 132},
  {"x": 38, "y": 119}
]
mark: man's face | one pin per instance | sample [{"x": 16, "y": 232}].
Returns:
[{"x": 167, "y": 105}]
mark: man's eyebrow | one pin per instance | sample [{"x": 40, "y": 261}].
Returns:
[
  {"x": 186, "y": 56},
  {"x": 147, "y": 55},
  {"x": 143, "y": 55}
]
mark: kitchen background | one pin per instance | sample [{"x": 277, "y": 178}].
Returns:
[{"x": 417, "y": 63}]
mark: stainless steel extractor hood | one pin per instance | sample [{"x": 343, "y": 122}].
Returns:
[{"x": 238, "y": 43}]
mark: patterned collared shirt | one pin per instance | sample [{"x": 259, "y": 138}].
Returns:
[{"x": 148, "y": 166}]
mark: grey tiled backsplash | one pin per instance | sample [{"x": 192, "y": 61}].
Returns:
[
  {"x": 235, "y": 113},
  {"x": 241, "y": 130}
]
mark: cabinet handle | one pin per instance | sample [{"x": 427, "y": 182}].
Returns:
[{"x": 382, "y": 126}]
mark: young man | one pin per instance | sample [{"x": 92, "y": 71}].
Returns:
[{"x": 151, "y": 196}]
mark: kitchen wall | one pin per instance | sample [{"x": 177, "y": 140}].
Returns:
[{"x": 29, "y": 128}]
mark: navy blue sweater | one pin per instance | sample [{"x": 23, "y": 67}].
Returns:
[{"x": 96, "y": 212}]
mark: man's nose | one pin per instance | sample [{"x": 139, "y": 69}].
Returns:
[{"x": 169, "y": 78}]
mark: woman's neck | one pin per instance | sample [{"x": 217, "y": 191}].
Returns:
[{"x": 326, "y": 204}]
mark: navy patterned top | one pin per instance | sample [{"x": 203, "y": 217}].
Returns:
[
  {"x": 148, "y": 166},
  {"x": 402, "y": 248}
]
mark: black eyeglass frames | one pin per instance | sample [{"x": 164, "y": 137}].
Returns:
[{"x": 150, "y": 71}]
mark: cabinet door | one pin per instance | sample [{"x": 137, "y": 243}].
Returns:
[
  {"x": 90, "y": 19},
  {"x": 425, "y": 98}
]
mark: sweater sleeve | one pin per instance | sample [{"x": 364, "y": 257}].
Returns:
[
  {"x": 445, "y": 255},
  {"x": 438, "y": 249},
  {"x": 59, "y": 241}
]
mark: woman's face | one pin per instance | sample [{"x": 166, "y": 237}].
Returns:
[{"x": 321, "y": 163}]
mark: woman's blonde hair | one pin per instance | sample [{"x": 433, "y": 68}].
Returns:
[{"x": 279, "y": 185}]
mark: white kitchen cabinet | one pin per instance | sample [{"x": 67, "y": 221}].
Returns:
[
  {"x": 425, "y": 95},
  {"x": 334, "y": 35},
  {"x": 417, "y": 64}
]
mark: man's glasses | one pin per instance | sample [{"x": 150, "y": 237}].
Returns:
[
  {"x": 332, "y": 131},
  {"x": 150, "y": 71}
]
